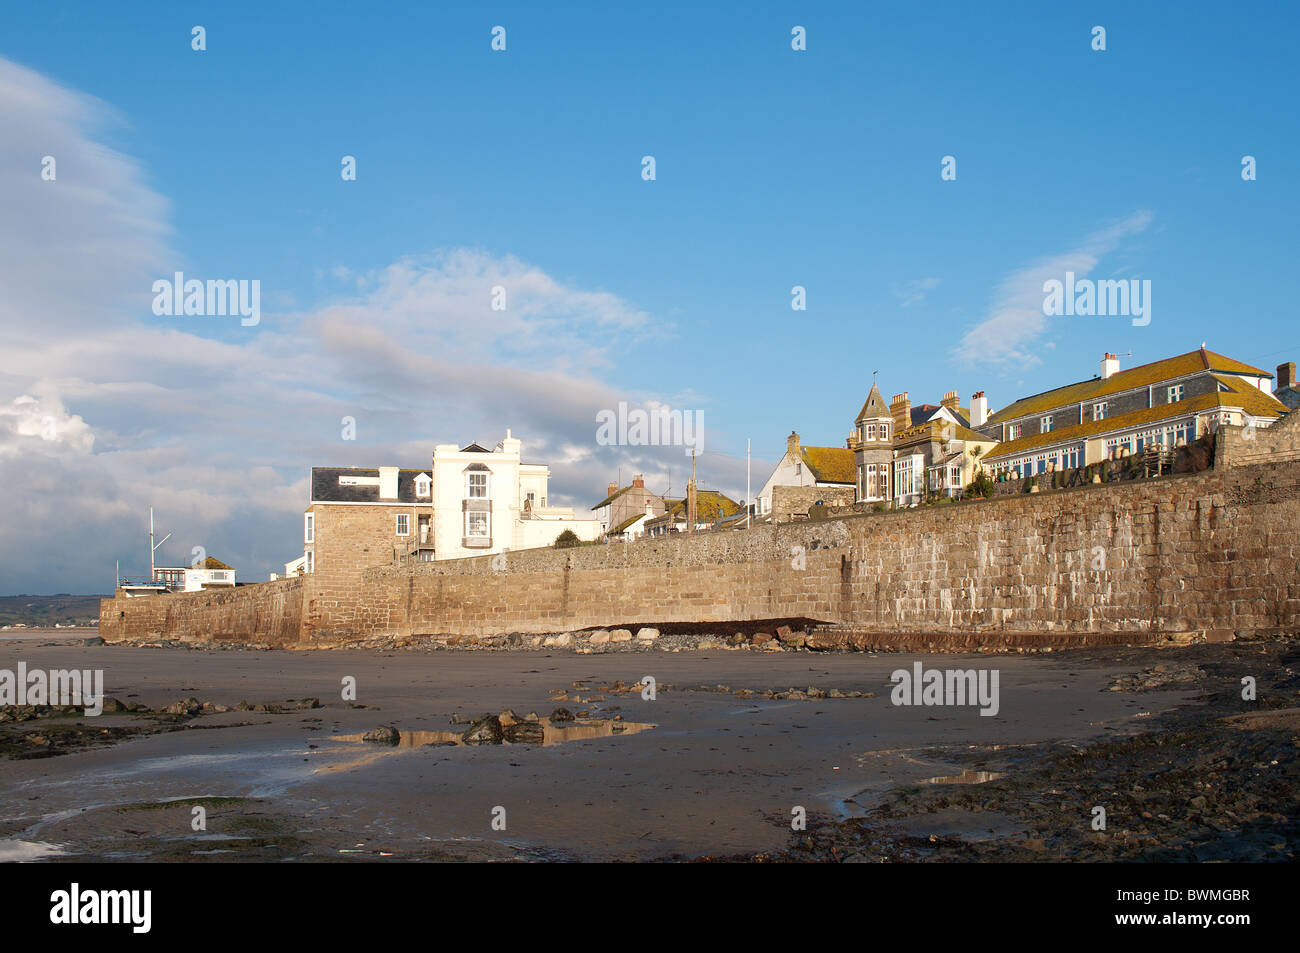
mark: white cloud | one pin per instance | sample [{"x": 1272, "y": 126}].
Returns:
[
  {"x": 31, "y": 424},
  {"x": 1007, "y": 335},
  {"x": 103, "y": 415},
  {"x": 911, "y": 292}
]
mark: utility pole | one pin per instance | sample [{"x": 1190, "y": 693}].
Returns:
[
  {"x": 690, "y": 497},
  {"x": 749, "y": 501}
]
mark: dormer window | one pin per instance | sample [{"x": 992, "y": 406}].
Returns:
[{"x": 422, "y": 484}]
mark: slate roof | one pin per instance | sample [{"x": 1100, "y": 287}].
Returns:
[
  {"x": 325, "y": 486},
  {"x": 875, "y": 407},
  {"x": 1140, "y": 376}
]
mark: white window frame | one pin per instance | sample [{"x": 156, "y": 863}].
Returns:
[
  {"x": 403, "y": 518},
  {"x": 422, "y": 487},
  {"x": 469, "y": 485},
  {"x": 311, "y": 561},
  {"x": 470, "y": 519},
  {"x": 1176, "y": 392},
  {"x": 309, "y": 527},
  {"x": 1046, "y": 424},
  {"x": 1099, "y": 410}
]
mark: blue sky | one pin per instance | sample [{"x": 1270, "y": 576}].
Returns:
[{"x": 775, "y": 168}]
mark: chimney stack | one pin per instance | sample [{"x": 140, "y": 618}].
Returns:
[
  {"x": 979, "y": 409},
  {"x": 638, "y": 481},
  {"x": 388, "y": 483},
  {"x": 1109, "y": 365},
  {"x": 1285, "y": 375},
  {"x": 613, "y": 488},
  {"x": 900, "y": 408},
  {"x": 792, "y": 443},
  {"x": 950, "y": 400}
]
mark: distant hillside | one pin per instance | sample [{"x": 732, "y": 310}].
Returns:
[{"x": 47, "y": 610}]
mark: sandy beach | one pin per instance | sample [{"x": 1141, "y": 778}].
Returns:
[{"x": 705, "y": 772}]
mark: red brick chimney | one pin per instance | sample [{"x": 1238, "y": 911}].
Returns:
[
  {"x": 638, "y": 481},
  {"x": 613, "y": 488}
]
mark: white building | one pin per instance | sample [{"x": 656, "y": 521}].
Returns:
[
  {"x": 487, "y": 501},
  {"x": 808, "y": 466}
]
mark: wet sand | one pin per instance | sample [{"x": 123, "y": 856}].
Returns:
[{"x": 716, "y": 775}]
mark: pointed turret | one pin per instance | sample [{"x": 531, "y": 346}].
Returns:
[{"x": 875, "y": 407}]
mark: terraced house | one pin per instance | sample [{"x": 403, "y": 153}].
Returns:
[{"x": 1165, "y": 403}]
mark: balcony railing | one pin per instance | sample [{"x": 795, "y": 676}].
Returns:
[{"x": 152, "y": 582}]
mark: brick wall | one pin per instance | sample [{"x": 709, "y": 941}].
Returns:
[{"x": 1214, "y": 551}]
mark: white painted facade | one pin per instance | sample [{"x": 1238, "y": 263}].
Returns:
[{"x": 489, "y": 502}]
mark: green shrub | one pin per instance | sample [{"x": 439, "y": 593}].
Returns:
[
  {"x": 566, "y": 539},
  {"x": 982, "y": 486}
]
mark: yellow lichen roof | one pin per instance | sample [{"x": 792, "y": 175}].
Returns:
[
  {"x": 831, "y": 464},
  {"x": 1141, "y": 376},
  {"x": 1240, "y": 395},
  {"x": 965, "y": 433},
  {"x": 627, "y": 522},
  {"x": 612, "y": 497},
  {"x": 709, "y": 504}
]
